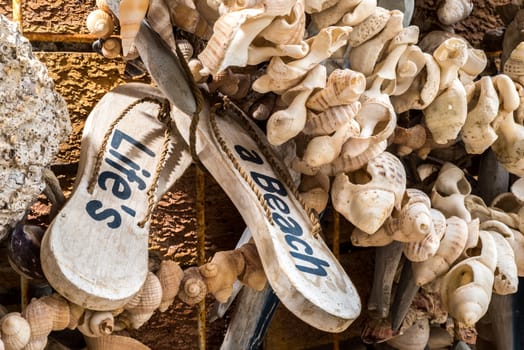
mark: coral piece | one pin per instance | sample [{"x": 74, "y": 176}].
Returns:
[{"x": 34, "y": 122}]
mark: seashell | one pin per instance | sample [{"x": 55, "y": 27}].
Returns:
[
  {"x": 226, "y": 82},
  {"x": 15, "y": 331},
  {"x": 233, "y": 32},
  {"x": 478, "y": 209},
  {"x": 281, "y": 76},
  {"x": 261, "y": 108},
  {"x": 363, "y": 10},
  {"x": 343, "y": 86},
  {"x": 198, "y": 71},
  {"x": 446, "y": 115},
  {"x": 76, "y": 312},
  {"x": 312, "y": 6},
  {"x": 221, "y": 273},
  {"x": 332, "y": 119},
  {"x": 450, "y": 248},
  {"x": 450, "y": 55},
  {"x": 100, "y": 23},
  {"x": 185, "y": 48},
  {"x": 380, "y": 238},
  {"x": 364, "y": 57},
  {"x": 408, "y": 139},
  {"x": 485, "y": 250},
  {"x": 111, "y": 48},
  {"x": 514, "y": 65},
  {"x": 413, "y": 221},
  {"x": 367, "y": 197},
  {"x": 114, "y": 342},
  {"x": 333, "y": 14},
  {"x": 258, "y": 54},
  {"x": 370, "y": 27},
  {"x": 97, "y": 323},
  {"x": 131, "y": 14},
  {"x": 40, "y": 316},
  {"x": 236, "y": 5},
  {"x": 324, "y": 149},
  {"x": 453, "y": 11},
  {"x": 104, "y": 6},
  {"x": 477, "y": 132},
  {"x": 60, "y": 310},
  {"x": 449, "y": 192},
  {"x": 285, "y": 124},
  {"x": 186, "y": 16},
  {"x": 509, "y": 146},
  {"x": 253, "y": 275},
  {"x": 24, "y": 251},
  {"x": 347, "y": 162},
  {"x": 506, "y": 275},
  {"x": 507, "y": 92},
  {"x": 517, "y": 189},
  {"x": 513, "y": 237},
  {"x": 439, "y": 338},
  {"x": 410, "y": 64},
  {"x": 427, "y": 247},
  {"x": 142, "y": 306},
  {"x": 193, "y": 287},
  {"x": 316, "y": 199},
  {"x": 508, "y": 202},
  {"x": 415, "y": 337},
  {"x": 170, "y": 275},
  {"x": 289, "y": 29},
  {"x": 159, "y": 19},
  {"x": 475, "y": 64}
]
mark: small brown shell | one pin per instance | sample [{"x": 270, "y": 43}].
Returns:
[
  {"x": 193, "y": 288},
  {"x": 39, "y": 315},
  {"x": 15, "y": 331},
  {"x": 170, "y": 276},
  {"x": 100, "y": 23},
  {"x": 140, "y": 308},
  {"x": 112, "y": 48}
]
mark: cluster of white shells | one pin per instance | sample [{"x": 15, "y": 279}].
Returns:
[
  {"x": 33, "y": 122},
  {"x": 30, "y": 329},
  {"x": 340, "y": 121}
]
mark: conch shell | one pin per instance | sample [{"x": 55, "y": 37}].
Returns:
[
  {"x": 446, "y": 115},
  {"x": 454, "y": 11},
  {"x": 131, "y": 14},
  {"x": 367, "y": 197},
  {"x": 450, "y": 248},
  {"x": 100, "y": 23},
  {"x": 477, "y": 132},
  {"x": 343, "y": 86}
]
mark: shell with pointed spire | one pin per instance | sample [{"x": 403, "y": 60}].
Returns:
[
  {"x": 131, "y": 14},
  {"x": 332, "y": 119},
  {"x": 427, "y": 247}
]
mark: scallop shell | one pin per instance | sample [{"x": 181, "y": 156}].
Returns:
[
  {"x": 446, "y": 115},
  {"x": 287, "y": 123},
  {"x": 453, "y": 11},
  {"x": 193, "y": 288},
  {"x": 232, "y": 34},
  {"x": 343, "y": 86},
  {"x": 477, "y": 132},
  {"x": 332, "y": 119},
  {"x": 367, "y": 197},
  {"x": 450, "y": 248},
  {"x": 96, "y": 323},
  {"x": 333, "y": 14},
  {"x": 364, "y": 57},
  {"x": 142, "y": 306},
  {"x": 363, "y": 10},
  {"x": 289, "y": 29},
  {"x": 131, "y": 14},
  {"x": 100, "y": 23},
  {"x": 170, "y": 276},
  {"x": 15, "y": 331},
  {"x": 370, "y": 27},
  {"x": 114, "y": 342}
]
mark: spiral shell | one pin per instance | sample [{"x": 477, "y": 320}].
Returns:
[
  {"x": 132, "y": 12},
  {"x": 289, "y": 29},
  {"x": 15, "y": 331},
  {"x": 332, "y": 119},
  {"x": 111, "y": 48},
  {"x": 193, "y": 288},
  {"x": 170, "y": 275},
  {"x": 96, "y": 323},
  {"x": 422, "y": 250},
  {"x": 100, "y": 23},
  {"x": 142, "y": 306}
]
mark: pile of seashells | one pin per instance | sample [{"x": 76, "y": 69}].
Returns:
[{"x": 358, "y": 105}]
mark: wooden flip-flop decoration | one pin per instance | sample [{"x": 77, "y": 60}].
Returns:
[{"x": 95, "y": 253}]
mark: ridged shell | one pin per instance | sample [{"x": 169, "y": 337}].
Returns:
[
  {"x": 39, "y": 315},
  {"x": 15, "y": 331},
  {"x": 370, "y": 27},
  {"x": 132, "y": 12},
  {"x": 289, "y": 29},
  {"x": 193, "y": 288},
  {"x": 343, "y": 86},
  {"x": 170, "y": 276},
  {"x": 454, "y": 11},
  {"x": 114, "y": 342},
  {"x": 60, "y": 307},
  {"x": 514, "y": 65},
  {"x": 450, "y": 248},
  {"x": 160, "y": 20},
  {"x": 332, "y": 119},
  {"x": 185, "y": 48},
  {"x": 347, "y": 162},
  {"x": 367, "y": 197},
  {"x": 100, "y": 23},
  {"x": 142, "y": 306}
]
